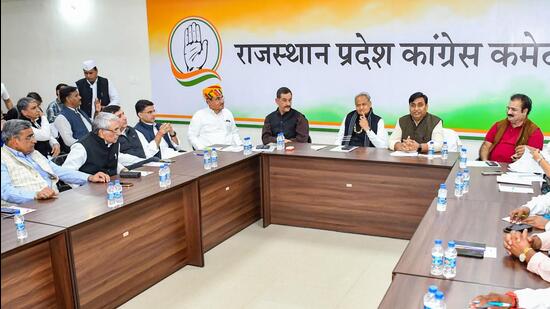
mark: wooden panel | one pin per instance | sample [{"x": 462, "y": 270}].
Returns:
[
  {"x": 230, "y": 201},
  {"x": 351, "y": 196},
  {"x": 112, "y": 267},
  {"x": 476, "y": 221},
  {"x": 28, "y": 280},
  {"x": 408, "y": 291}
]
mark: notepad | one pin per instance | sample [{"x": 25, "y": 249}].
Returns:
[
  {"x": 318, "y": 147},
  {"x": 514, "y": 189},
  {"x": 513, "y": 180},
  {"x": 403, "y": 154}
]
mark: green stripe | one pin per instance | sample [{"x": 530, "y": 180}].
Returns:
[{"x": 193, "y": 82}]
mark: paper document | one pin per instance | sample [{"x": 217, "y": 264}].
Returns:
[
  {"x": 526, "y": 164},
  {"x": 514, "y": 189},
  {"x": 339, "y": 149},
  {"x": 403, "y": 154},
  {"x": 490, "y": 252},
  {"x": 507, "y": 219},
  {"x": 23, "y": 210},
  {"x": 154, "y": 164},
  {"x": 526, "y": 176},
  {"x": 317, "y": 147},
  {"x": 425, "y": 156},
  {"x": 233, "y": 149},
  {"x": 481, "y": 164},
  {"x": 513, "y": 180}
]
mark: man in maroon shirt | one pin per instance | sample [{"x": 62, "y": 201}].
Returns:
[{"x": 507, "y": 139}]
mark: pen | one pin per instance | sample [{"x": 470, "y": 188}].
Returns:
[{"x": 499, "y": 304}]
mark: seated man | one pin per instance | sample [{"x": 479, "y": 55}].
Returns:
[
  {"x": 284, "y": 119},
  {"x": 71, "y": 123},
  {"x": 134, "y": 148},
  {"x": 506, "y": 140},
  {"x": 159, "y": 136},
  {"x": 55, "y": 107},
  {"x": 525, "y": 298},
  {"x": 98, "y": 150},
  {"x": 46, "y": 144},
  {"x": 413, "y": 132},
  {"x": 362, "y": 127},
  {"x": 28, "y": 175},
  {"x": 524, "y": 247},
  {"x": 213, "y": 124}
]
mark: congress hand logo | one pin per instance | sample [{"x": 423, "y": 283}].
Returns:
[{"x": 194, "y": 51}]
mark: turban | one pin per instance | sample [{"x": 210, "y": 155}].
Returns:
[{"x": 212, "y": 92}]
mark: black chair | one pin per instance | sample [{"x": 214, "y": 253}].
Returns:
[{"x": 61, "y": 185}]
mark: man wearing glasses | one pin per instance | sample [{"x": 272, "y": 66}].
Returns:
[
  {"x": 507, "y": 139},
  {"x": 97, "y": 151}
]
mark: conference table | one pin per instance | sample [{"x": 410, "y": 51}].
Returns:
[{"x": 113, "y": 254}]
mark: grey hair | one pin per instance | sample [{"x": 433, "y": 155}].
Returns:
[
  {"x": 363, "y": 94},
  {"x": 103, "y": 121},
  {"x": 13, "y": 127},
  {"x": 23, "y": 103}
]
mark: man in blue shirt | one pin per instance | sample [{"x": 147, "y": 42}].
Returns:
[{"x": 27, "y": 174}]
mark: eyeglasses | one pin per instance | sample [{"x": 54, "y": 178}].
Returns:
[{"x": 116, "y": 131}]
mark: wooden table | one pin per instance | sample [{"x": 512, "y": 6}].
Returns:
[
  {"x": 408, "y": 291},
  {"x": 35, "y": 271},
  {"x": 118, "y": 253},
  {"x": 477, "y": 221},
  {"x": 365, "y": 191}
]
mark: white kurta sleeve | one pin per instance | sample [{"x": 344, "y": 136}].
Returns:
[
  {"x": 395, "y": 137},
  {"x": 380, "y": 139},
  {"x": 437, "y": 136},
  {"x": 194, "y": 131},
  {"x": 64, "y": 128},
  {"x": 76, "y": 157},
  {"x": 341, "y": 132}
]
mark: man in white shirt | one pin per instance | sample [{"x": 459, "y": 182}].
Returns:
[
  {"x": 214, "y": 124},
  {"x": 362, "y": 127},
  {"x": 96, "y": 91},
  {"x": 8, "y": 103},
  {"x": 71, "y": 123},
  {"x": 525, "y": 298},
  {"x": 159, "y": 136},
  {"x": 413, "y": 132}
]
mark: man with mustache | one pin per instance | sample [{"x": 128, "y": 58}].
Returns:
[
  {"x": 507, "y": 139},
  {"x": 413, "y": 132},
  {"x": 285, "y": 119}
]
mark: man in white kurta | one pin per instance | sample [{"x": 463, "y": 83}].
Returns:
[{"x": 214, "y": 124}]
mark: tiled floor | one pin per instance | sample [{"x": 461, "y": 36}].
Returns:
[{"x": 285, "y": 268}]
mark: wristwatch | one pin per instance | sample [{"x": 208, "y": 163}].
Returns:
[
  {"x": 419, "y": 148},
  {"x": 522, "y": 257},
  {"x": 173, "y": 135}
]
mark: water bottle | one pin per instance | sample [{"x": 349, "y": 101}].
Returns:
[
  {"x": 247, "y": 146},
  {"x": 111, "y": 202},
  {"x": 431, "y": 150},
  {"x": 162, "y": 176},
  {"x": 19, "y": 221},
  {"x": 465, "y": 181},
  {"x": 119, "y": 199},
  {"x": 458, "y": 184},
  {"x": 437, "y": 258},
  {"x": 168, "y": 175},
  {"x": 214, "y": 157},
  {"x": 429, "y": 297},
  {"x": 280, "y": 141},
  {"x": 463, "y": 158},
  {"x": 207, "y": 161},
  {"x": 449, "y": 268},
  {"x": 439, "y": 302},
  {"x": 445, "y": 151},
  {"x": 442, "y": 198}
]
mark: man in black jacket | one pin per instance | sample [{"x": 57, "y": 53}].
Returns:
[{"x": 96, "y": 91}]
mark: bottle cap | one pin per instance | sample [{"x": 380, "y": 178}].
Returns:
[
  {"x": 432, "y": 289},
  {"x": 438, "y": 241},
  {"x": 442, "y": 186},
  {"x": 117, "y": 181},
  {"x": 206, "y": 151},
  {"x": 444, "y": 142},
  {"x": 17, "y": 211},
  {"x": 451, "y": 244},
  {"x": 459, "y": 174},
  {"x": 213, "y": 149},
  {"x": 466, "y": 170},
  {"x": 439, "y": 295}
]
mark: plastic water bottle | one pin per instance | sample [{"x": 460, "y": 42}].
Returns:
[
  {"x": 111, "y": 202},
  {"x": 19, "y": 221},
  {"x": 247, "y": 146},
  {"x": 465, "y": 181},
  {"x": 207, "y": 160},
  {"x": 449, "y": 268},
  {"x": 445, "y": 151},
  {"x": 162, "y": 176},
  {"x": 442, "y": 198},
  {"x": 119, "y": 199},
  {"x": 463, "y": 158},
  {"x": 280, "y": 141},
  {"x": 459, "y": 185},
  {"x": 431, "y": 150},
  {"x": 168, "y": 175},
  {"x": 437, "y": 258},
  {"x": 429, "y": 297},
  {"x": 214, "y": 157},
  {"x": 439, "y": 302}
]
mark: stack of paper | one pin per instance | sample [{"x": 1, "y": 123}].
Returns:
[
  {"x": 403, "y": 154},
  {"x": 512, "y": 179},
  {"x": 526, "y": 164},
  {"x": 514, "y": 189}
]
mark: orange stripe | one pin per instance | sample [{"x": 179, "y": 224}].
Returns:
[{"x": 174, "y": 116}]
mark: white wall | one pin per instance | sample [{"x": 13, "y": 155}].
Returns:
[{"x": 41, "y": 48}]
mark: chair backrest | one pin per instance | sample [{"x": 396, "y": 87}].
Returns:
[{"x": 453, "y": 140}]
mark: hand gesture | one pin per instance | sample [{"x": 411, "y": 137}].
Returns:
[
  {"x": 99, "y": 177},
  {"x": 364, "y": 123},
  {"x": 97, "y": 105},
  {"x": 45, "y": 194},
  {"x": 56, "y": 149},
  {"x": 194, "y": 50},
  {"x": 518, "y": 214}
]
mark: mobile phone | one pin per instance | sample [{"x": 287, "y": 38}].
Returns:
[
  {"x": 518, "y": 227},
  {"x": 491, "y": 173},
  {"x": 347, "y": 147},
  {"x": 9, "y": 211},
  {"x": 167, "y": 160},
  {"x": 262, "y": 147},
  {"x": 126, "y": 184},
  {"x": 491, "y": 163}
]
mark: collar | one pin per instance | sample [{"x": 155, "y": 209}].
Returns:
[
  {"x": 15, "y": 152},
  {"x": 147, "y": 124},
  {"x": 95, "y": 82},
  {"x": 214, "y": 113}
]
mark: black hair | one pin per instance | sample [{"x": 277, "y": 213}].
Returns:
[
  {"x": 526, "y": 102},
  {"x": 142, "y": 104},
  {"x": 111, "y": 109},
  {"x": 283, "y": 90},
  {"x": 35, "y": 96},
  {"x": 59, "y": 86},
  {"x": 64, "y": 92},
  {"x": 417, "y": 95}
]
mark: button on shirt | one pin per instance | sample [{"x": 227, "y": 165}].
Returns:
[
  {"x": 21, "y": 195},
  {"x": 208, "y": 128}
]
